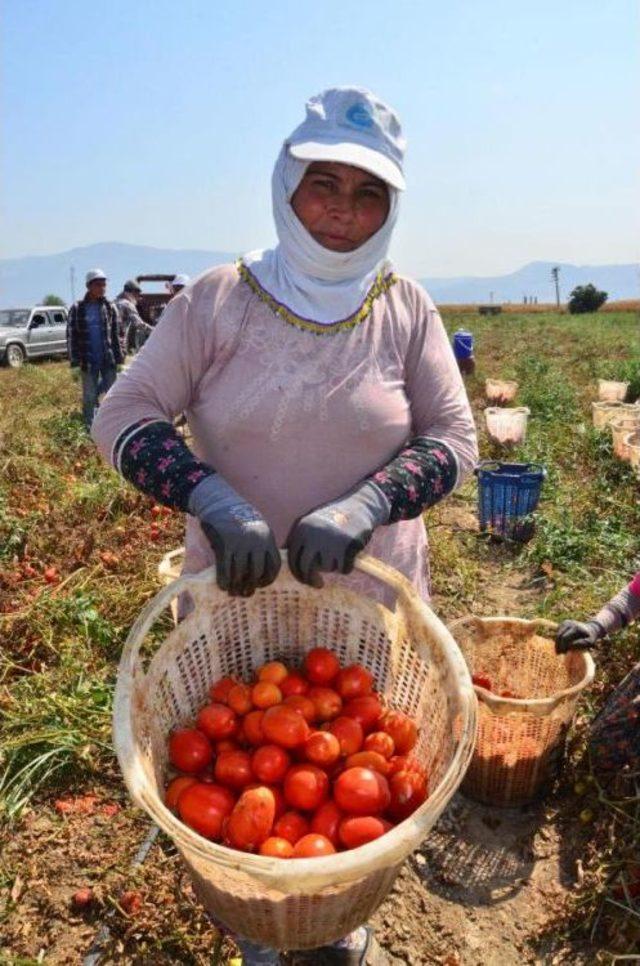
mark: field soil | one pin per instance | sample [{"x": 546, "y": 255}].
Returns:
[{"x": 489, "y": 886}]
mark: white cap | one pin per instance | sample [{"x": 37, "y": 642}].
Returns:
[
  {"x": 95, "y": 274},
  {"x": 180, "y": 280},
  {"x": 350, "y": 125}
]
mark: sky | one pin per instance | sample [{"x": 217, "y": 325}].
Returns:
[{"x": 158, "y": 123}]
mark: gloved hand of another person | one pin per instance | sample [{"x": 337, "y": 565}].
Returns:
[
  {"x": 576, "y": 636},
  {"x": 330, "y": 537},
  {"x": 247, "y": 556}
]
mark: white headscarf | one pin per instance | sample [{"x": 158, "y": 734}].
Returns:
[{"x": 314, "y": 282}]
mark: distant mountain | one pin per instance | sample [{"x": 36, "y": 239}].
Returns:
[
  {"x": 534, "y": 280},
  {"x": 25, "y": 281}
]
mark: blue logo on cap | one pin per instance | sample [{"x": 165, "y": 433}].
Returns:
[{"x": 359, "y": 115}]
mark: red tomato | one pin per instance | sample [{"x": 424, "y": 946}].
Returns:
[
  {"x": 357, "y": 830},
  {"x": 482, "y": 681},
  {"x": 353, "y": 682},
  {"x": 217, "y": 721},
  {"x": 251, "y": 820},
  {"x": 273, "y": 671},
  {"x": 349, "y": 733},
  {"x": 401, "y": 728},
  {"x": 327, "y": 702},
  {"x": 305, "y": 787},
  {"x": 322, "y": 748},
  {"x": 175, "y": 789},
  {"x": 407, "y": 763},
  {"x": 226, "y": 744},
  {"x": 264, "y": 694},
  {"x": 233, "y": 768},
  {"x": 312, "y": 846},
  {"x": 204, "y": 807},
  {"x": 281, "y": 805},
  {"x": 408, "y": 791},
  {"x": 294, "y": 683},
  {"x": 219, "y": 690},
  {"x": 239, "y": 698},
  {"x": 367, "y": 711},
  {"x": 277, "y": 848},
  {"x": 361, "y": 791},
  {"x": 252, "y": 727},
  {"x": 270, "y": 763},
  {"x": 302, "y": 704},
  {"x": 284, "y": 726},
  {"x": 291, "y": 826},
  {"x": 381, "y": 742},
  {"x": 321, "y": 665},
  {"x": 369, "y": 759},
  {"x": 189, "y": 750},
  {"x": 326, "y": 821}
]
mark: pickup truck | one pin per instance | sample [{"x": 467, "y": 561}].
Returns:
[{"x": 32, "y": 334}]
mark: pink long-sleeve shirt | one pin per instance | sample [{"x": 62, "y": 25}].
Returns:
[{"x": 293, "y": 419}]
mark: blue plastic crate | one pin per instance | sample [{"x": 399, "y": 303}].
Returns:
[{"x": 508, "y": 493}]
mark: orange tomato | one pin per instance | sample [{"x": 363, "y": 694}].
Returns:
[
  {"x": 326, "y": 701},
  {"x": 353, "y": 682},
  {"x": 381, "y": 742},
  {"x": 277, "y": 848},
  {"x": 251, "y": 821},
  {"x": 321, "y": 665},
  {"x": 265, "y": 694},
  {"x": 312, "y": 846},
  {"x": 369, "y": 759},
  {"x": 273, "y": 671},
  {"x": 239, "y": 698},
  {"x": 305, "y": 787},
  {"x": 322, "y": 748},
  {"x": 349, "y": 733},
  {"x": 175, "y": 789},
  {"x": 291, "y": 826},
  {"x": 283, "y": 725},
  {"x": 402, "y": 729}
]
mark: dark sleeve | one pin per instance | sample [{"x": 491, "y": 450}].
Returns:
[
  {"x": 419, "y": 476},
  {"x": 72, "y": 336},
  {"x": 153, "y": 456}
]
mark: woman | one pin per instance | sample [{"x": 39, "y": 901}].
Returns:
[
  {"x": 326, "y": 406},
  {"x": 615, "y": 732}
]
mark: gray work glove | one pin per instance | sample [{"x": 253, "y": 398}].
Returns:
[
  {"x": 331, "y": 537},
  {"x": 576, "y": 636},
  {"x": 247, "y": 556}
]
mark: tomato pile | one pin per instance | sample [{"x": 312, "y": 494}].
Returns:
[
  {"x": 297, "y": 763},
  {"x": 482, "y": 681}
]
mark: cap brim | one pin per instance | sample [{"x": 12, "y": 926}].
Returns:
[{"x": 346, "y": 152}]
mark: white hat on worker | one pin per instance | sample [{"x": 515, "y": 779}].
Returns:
[
  {"x": 180, "y": 281},
  {"x": 352, "y": 126},
  {"x": 94, "y": 275}
]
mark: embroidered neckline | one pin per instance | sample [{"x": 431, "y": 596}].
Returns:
[{"x": 381, "y": 285}]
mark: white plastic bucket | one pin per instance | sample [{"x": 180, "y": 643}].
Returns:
[{"x": 507, "y": 426}]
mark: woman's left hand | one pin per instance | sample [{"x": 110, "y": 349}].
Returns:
[{"x": 331, "y": 537}]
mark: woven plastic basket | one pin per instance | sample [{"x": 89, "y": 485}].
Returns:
[
  {"x": 520, "y": 740},
  {"x": 611, "y": 391},
  {"x": 621, "y": 426},
  {"x": 507, "y": 426},
  {"x": 500, "y": 391},
  {"x": 605, "y": 412},
  {"x": 418, "y": 667}
]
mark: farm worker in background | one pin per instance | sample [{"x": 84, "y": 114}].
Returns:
[
  {"x": 178, "y": 284},
  {"x": 130, "y": 321},
  {"x": 325, "y": 403},
  {"x": 615, "y": 732},
  {"x": 95, "y": 342}
]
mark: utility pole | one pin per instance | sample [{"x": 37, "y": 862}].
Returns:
[
  {"x": 72, "y": 279},
  {"x": 555, "y": 273}
]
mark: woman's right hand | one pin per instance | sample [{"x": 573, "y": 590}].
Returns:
[
  {"x": 576, "y": 636},
  {"x": 247, "y": 555}
]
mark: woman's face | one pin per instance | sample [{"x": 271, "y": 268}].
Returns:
[{"x": 339, "y": 205}]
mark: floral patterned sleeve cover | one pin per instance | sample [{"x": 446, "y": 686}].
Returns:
[
  {"x": 153, "y": 456},
  {"x": 421, "y": 474}
]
